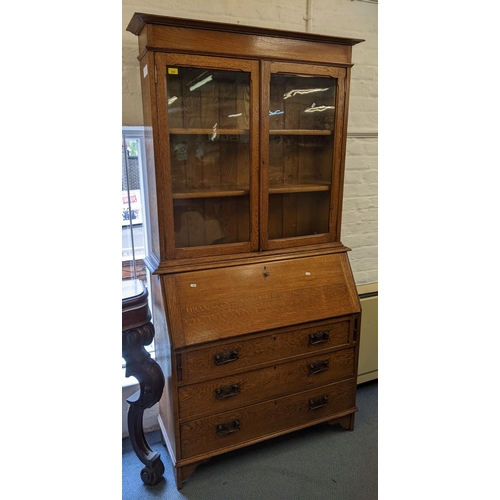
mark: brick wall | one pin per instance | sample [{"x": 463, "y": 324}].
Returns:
[
  {"x": 330, "y": 17},
  {"x": 359, "y": 215}
]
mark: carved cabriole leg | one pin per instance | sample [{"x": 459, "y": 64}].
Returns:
[
  {"x": 151, "y": 381},
  {"x": 154, "y": 469}
]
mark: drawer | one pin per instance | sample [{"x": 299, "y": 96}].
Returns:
[
  {"x": 214, "y": 362},
  {"x": 264, "y": 420},
  {"x": 222, "y": 394}
]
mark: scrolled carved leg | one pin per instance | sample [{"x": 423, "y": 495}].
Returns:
[
  {"x": 151, "y": 475},
  {"x": 151, "y": 381}
]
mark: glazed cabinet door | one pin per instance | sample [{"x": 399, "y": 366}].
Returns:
[
  {"x": 301, "y": 136},
  {"x": 207, "y": 111}
]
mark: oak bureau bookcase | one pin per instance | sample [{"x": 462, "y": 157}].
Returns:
[{"x": 254, "y": 303}]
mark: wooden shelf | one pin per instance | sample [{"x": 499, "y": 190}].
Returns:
[
  {"x": 211, "y": 193},
  {"x": 298, "y": 188},
  {"x": 208, "y": 131},
  {"x": 243, "y": 191},
  {"x": 300, "y": 132}
]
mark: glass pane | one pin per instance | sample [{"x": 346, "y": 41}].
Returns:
[
  {"x": 302, "y": 102},
  {"x": 298, "y": 214},
  {"x": 211, "y": 221},
  {"x": 301, "y": 124},
  {"x": 208, "y": 119},
  {"x": 133, "y": 238},
  {"x": 299, "y": 160},
  {"x": 133, "y": 217},
  {"x": 205, "y": 165}
]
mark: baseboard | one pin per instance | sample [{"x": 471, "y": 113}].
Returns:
[{"x": 367, "y": 377}]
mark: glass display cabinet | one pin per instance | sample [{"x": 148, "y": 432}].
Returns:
[
  {"x": 209, "y": 122},
  {"x": 254, "y": 303}
]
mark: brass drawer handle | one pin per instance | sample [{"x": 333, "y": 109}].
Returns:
[
  {"x": 319, "y": 366},
  {"x": 318, "y": 402},
  {"x": 226, "y": 357},
  {"x": 228, "y": 428},
  {"x": 227, "y": 391},
  {"x": 319, "y": 338}
]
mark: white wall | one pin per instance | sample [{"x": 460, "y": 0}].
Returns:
[{"x": 330, "y": 17}]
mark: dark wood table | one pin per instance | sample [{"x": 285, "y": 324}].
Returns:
[{"x": 137, "y": 332}]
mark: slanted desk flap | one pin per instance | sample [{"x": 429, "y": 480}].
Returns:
[{"x": 222, "y": 303}]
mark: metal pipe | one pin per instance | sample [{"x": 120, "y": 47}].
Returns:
[{"x": 308, "y": 17}]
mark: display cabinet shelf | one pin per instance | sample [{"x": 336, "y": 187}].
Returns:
[
  {"x": 207, "y": 131},
  {"x": 212, "y": 193},
  {"x": 299, "y": 188},
  {"x": 299, "y": 132}
]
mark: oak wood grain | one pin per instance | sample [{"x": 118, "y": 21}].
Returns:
[
  {"x": 258, "y": 350},
  {"x": 227, "y": 302},
  {"x": 264, "y": 383},
  {"x": 200, "y": 436}
]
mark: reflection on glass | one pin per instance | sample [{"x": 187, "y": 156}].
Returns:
[
  {"x": 208, "y": 119},
  {"x": 293, "y": 95},
  {"x": 318, "y": 109},
  {"x": 295, "y": 92}
]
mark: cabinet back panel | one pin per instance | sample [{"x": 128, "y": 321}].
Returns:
[
  {"x": 299, "y": 159},
  {"x": 211, "y": 221},
  {"x": 200, "y": 163},
  {"x": 294, "y": 214}
]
